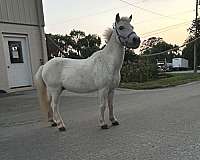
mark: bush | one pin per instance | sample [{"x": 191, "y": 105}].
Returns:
[{"x": 139, "y": 72}]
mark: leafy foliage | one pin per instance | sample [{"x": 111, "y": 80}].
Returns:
[
  {"x": 75, "y": 45},
  {"x": 157, "y": 45},
  {"x": 195, "y": 26},
  {"x": 139, "y": 72},
  {"x": 137, "y": 69},
  {"x": 188, "y": 51}
]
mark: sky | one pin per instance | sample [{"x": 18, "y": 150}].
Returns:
[{"x": 168, "y": 19}]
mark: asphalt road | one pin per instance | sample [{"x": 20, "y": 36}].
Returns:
[
  {"x": 188, "y": 71},
  {"x": 161, "y": 124}
]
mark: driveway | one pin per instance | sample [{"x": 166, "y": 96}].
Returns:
[{"x": 161, "y": 124}]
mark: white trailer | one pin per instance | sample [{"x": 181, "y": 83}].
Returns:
[{"x": 179, "y": 63}]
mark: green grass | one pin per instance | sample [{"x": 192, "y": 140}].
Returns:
[{"x": 169, "y": 81}]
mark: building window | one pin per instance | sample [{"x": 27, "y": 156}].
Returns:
[{"x": 15, "y": 50}]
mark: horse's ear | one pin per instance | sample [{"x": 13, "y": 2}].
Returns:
[
  {"x": 117, "y": 19},
  {"x": 130, "y": 18}
]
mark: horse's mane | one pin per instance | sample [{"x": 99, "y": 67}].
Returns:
[{"x": 108, "y": 32}]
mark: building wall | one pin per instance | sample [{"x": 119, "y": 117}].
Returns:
[
  {"x": 34, "y": 46},
  {"x": 21, "y": 12},
  {"x": 22, "y": 18}
]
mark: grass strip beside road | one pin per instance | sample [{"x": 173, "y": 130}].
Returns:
[{"x": 171, "y": 80}]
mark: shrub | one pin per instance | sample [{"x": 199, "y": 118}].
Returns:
[{"x": 138, "y": 72}]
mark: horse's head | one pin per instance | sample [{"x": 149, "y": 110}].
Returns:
[{"x": 124, "y": 32}]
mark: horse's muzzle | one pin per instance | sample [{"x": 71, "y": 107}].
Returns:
[{"x": 135, "y": 42}]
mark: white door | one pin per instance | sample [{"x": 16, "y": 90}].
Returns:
[{"x": 17, "y": 60}]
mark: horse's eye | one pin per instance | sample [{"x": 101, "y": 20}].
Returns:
[{"x": 121, "y": 27}]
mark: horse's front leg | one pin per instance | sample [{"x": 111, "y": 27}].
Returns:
[
  {"x": 110, "y": 106},
  {"x": 103, "y": 94}
]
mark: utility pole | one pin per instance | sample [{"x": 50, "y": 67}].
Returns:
[{"x": 195, "y": 43}]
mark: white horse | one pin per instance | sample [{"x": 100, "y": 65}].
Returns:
[{"x": 100, "y": 72}]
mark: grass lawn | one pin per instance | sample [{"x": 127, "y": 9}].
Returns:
[{"x": 169, "y": 81}]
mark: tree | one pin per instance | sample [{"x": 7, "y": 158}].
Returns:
[
  {"x": 188, "y": 51},
  {"x": 192, "y": 29},
  {"x": 157, "y": 45},
  {"x": 146, "y": 45},
  {"x": 76, "y": 36},
  {"x": 89, "y": 45},
  {"x": 75, "y": 45},
  {"x": 130, "y": 56},
  {"x": 52, "y": 49},
  {"x": 84, "y": 45}
]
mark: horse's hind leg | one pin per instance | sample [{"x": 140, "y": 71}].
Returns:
[
  {"x": 55, "y": 97},
  {"x": 50, "y": 117},
  {"x": 50, "y": 113},
  {"x": 110, "y": 106}
]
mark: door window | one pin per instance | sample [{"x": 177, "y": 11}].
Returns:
[{"x": 15, "y": 50}]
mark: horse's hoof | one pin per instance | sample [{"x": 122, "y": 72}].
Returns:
[
  {"x": 62, "y": 129},
  {"x": 54, "y": 124},
  {"x": 116, "y": 123},
  {"x": 105, "y": 126}
]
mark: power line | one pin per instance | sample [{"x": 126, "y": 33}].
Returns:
[
  {"x": 165, "y": 28},
  {"x": 150, "y": 20},
  {"x": 90, "y": 15},
  {"x": 160, "y": 32},
  {"x": 176, "y": 48},
  {"x": 147, "y": 10},
  {"x": 112, "y": 9}
]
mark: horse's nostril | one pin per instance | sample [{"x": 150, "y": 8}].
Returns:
[{"x": 136, "y": 39}]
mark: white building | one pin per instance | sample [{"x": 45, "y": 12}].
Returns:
[{"x": 22, "y": 42}]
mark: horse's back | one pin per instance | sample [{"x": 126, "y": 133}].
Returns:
[
  {"x": 52, "y": 71},
  {"x": 61, "y": 70}
]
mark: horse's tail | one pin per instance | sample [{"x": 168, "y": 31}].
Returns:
[{"x": 42, "y": 91}]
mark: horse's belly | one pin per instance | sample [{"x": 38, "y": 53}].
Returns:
[
  {"x": 80, "y": 83},
  {"x": 79, "y": 87}
]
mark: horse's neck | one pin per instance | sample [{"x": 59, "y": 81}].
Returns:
[{"x": 115, "y": 52}]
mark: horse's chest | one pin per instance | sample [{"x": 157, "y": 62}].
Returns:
[{"x": 108, "y": 76}]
